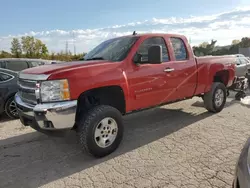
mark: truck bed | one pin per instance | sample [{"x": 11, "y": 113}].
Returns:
[{"x": 204, "y": 67}]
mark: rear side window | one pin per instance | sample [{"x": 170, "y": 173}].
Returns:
[
  {"x": 5, "y": 77},
  {"x": 16, "y": 65},
  {"x": 180, "y": 51},
  {"x": 243, "y": 60},
  {"x": 147, "y": 43}
]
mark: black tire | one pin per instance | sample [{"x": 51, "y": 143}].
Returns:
[
  {"x": 209, "y": 98},
  {"x": 10, "y": 108},
  {"x": 87, "y": 126},
  {"x": 239, "y": 95}
]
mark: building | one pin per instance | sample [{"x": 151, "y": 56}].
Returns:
[{"x": 245, "y": 51}]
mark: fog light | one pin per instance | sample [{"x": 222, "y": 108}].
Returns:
[{"x": 48, "y": 124}]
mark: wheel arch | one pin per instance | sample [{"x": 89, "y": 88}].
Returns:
[
  {"x": 8, "y": 97},
  {"x": 112, "y": 95},
  {"x": 222, "y": 76}
]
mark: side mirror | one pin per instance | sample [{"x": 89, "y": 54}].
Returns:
[{"x": 155, "y": 54}]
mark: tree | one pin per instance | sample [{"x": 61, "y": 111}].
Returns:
[
  {"x": 34, "y": 48},
  {"x": 204, "y": 48},
  {"x": 38, "y": 48},
  {"x": 52, "y": 56},
  {"x": 28, "y": 46},
  {"x": 245, "y": 42},
  {"x": 44, "y": 51},
  {"x": 16, "y": 48},
  {"x": 235, "y": 42},
  {"x": 204, "y": 44}
]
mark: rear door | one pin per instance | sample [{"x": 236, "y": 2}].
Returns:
[
  {"x": 183, "y": 71},
  {"x": 241, "y": 67},
  {"x": 6, "y": 86}
]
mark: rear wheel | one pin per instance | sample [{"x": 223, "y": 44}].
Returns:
[
  {"x": 100, "y": 131},
  {"x": 215, "y": 99},
  {"x": 10, "y": 108}
]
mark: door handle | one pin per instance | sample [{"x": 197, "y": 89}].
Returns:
[{"x": 168, "y": 70}]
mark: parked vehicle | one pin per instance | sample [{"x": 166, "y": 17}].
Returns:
[
  {"x": 19, "y": 64},
  {"x": 242, "y": 169},
  {"x": 120, "y": 76},
  {"x": 242, "y": 65},
  {"x": 8, "y": 89}
]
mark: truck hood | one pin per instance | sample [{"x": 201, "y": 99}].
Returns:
[{"x": 55, "y": 68}]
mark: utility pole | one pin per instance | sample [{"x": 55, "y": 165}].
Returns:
[{"x": 67, "y": 48}]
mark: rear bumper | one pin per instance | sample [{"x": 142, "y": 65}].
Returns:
[{"x": 47, "y": 116}]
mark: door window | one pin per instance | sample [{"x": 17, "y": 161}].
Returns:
[
  {"x": 243, "y": 60},
  {"x": 16, "y": 65},
  {"x": 5, "y": 77},
  {"x": 147, "y": 43},
  {"x": 180, "y": 50}
]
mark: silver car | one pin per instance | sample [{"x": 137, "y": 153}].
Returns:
[
  {"x": 242, "y": 66},
  {"x": 242, "y": 170}
]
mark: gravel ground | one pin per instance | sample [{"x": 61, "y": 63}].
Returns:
[{"x": 178, "y": 145}]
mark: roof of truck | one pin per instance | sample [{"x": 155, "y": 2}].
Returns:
[{"x": 157, "y": 34}]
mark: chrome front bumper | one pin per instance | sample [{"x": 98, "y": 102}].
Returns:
[{"x": 47, "y": 116}]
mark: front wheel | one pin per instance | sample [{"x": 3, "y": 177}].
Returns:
[
  {"x": 11, "y": 109},
  {"x": 100, "y": 131},
  {"x": 215, "y": 99}
]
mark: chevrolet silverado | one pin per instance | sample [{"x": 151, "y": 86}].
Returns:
[{"x": 119, "y": 76}]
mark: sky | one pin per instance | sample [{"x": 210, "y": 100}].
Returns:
[{"x": 87, "y": 23}]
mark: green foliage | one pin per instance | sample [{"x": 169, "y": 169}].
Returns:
[
  {"x": 28, "y": 46},
  {"x": 204, "y": 48},
  {"x": 31, "y": 47},
  {"x": 235, "y": 42},
  {"x": 210, "y": 48},
  {"x": 245, "y": 42},
  {"x": 4, "y": 54}
]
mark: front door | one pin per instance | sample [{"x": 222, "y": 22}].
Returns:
[{"x": 150, "y": 84}]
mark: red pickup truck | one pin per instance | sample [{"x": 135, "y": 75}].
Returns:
[{"x": 119, "y": 76}]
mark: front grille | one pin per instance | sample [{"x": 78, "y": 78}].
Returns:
[
  {"x": 27, "y": 84},
  {"x": 27, "y": 91}
]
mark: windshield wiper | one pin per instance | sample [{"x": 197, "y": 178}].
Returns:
[{"x": 95, "y": 58}]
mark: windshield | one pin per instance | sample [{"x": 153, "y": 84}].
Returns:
[{"x": 113, "y": 49}]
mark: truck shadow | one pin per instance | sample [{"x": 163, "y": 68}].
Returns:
[
  {"x": 34, "y": 159},
  {"x": 5, "y": 118},
  {"x": 230, "y": 101}
]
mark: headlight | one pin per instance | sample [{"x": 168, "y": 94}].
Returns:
[{"x": 55, "y": 90}]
